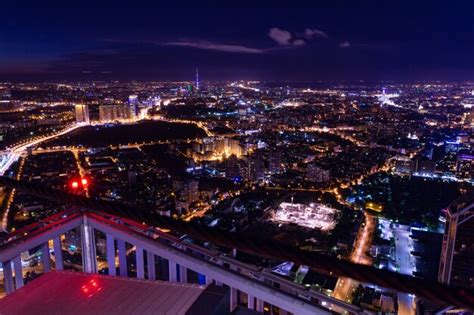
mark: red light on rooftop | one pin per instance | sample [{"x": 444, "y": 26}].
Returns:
[
  {"x": 84, "y": 182},
  {"x": 74, "y": 184},
  {"x": 91, "y": 288}
]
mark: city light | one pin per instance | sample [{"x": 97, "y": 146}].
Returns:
[{"x": 294, "y": 133}]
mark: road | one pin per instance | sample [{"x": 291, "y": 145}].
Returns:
[
  {"x": 11, "y": 155},
  {"x": 82, "y": 171},
  {"x": 197, "y": 214},
  {"x": 11, "y": 197},
  {"x": 405, "y": 261},
  {"x": 345, "y": 286}
]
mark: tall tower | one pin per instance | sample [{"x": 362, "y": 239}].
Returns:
[
  {"x": 197, "y": 78},
  {"x": 457, "y": 253}
]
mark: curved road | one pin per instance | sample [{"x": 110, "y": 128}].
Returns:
[
  {"x": 12, "y": 155},
  {"x": 345, "y": 286}
]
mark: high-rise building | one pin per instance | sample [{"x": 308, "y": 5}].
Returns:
[
  {"x": 82, "y": 113},
  {"x": 107, "y": 113},
  {"x": 133, "y": 104},
  {"x": 256, "y": 166},
  {"x": 465, "y": 164},
  {"x": 187, "y": 192},
  {"x": 114, "y": 112},
  {"x": 235, "y": 168},
  {"x": 457, "y": 252},
  {"x": 274, "y": 162}
]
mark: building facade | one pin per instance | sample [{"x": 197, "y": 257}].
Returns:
[
  {"x": 457, "y": 252},
  {"x": 82, "y": 113}
]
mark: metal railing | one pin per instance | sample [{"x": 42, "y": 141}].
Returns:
[{"x": 249, "y": 244}]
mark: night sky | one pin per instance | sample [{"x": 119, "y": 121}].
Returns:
[{"x": 353, "y": 40}]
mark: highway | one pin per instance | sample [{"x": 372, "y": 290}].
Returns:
[{"x": 11, "y": 155}]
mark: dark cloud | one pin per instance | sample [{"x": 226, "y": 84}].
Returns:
[{"x": 229, "y": 48}]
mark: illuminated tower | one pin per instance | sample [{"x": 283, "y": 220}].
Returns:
[{"x": 197, "y": 78}]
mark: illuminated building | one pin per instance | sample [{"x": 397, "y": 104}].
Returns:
[
  {"x": 457, "y": 253},
  {"x": 452, "y": 146},
  {"x": 133, "y": 103},
  {"x": 82, "y": 113},
  {"x": 114, "y": 112},
  {"x": 213, "y": 148},
  {"x": 465, "y": 165}
]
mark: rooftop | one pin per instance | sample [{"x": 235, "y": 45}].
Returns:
[{"x": 79, "y": 293}]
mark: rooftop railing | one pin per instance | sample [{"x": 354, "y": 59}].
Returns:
[{"x": 124, "y": 223}]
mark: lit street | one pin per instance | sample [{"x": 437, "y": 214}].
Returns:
[
  {"x": 345, "y": 286},
  {"x": 406, "y": 264}
]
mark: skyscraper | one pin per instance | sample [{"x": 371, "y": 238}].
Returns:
[
  {"x": 82, "y": 113},
  {"x": 133, "y": 103},
  {"x": 197, "y": 78},
  {"x": 457, "y": 252}
]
